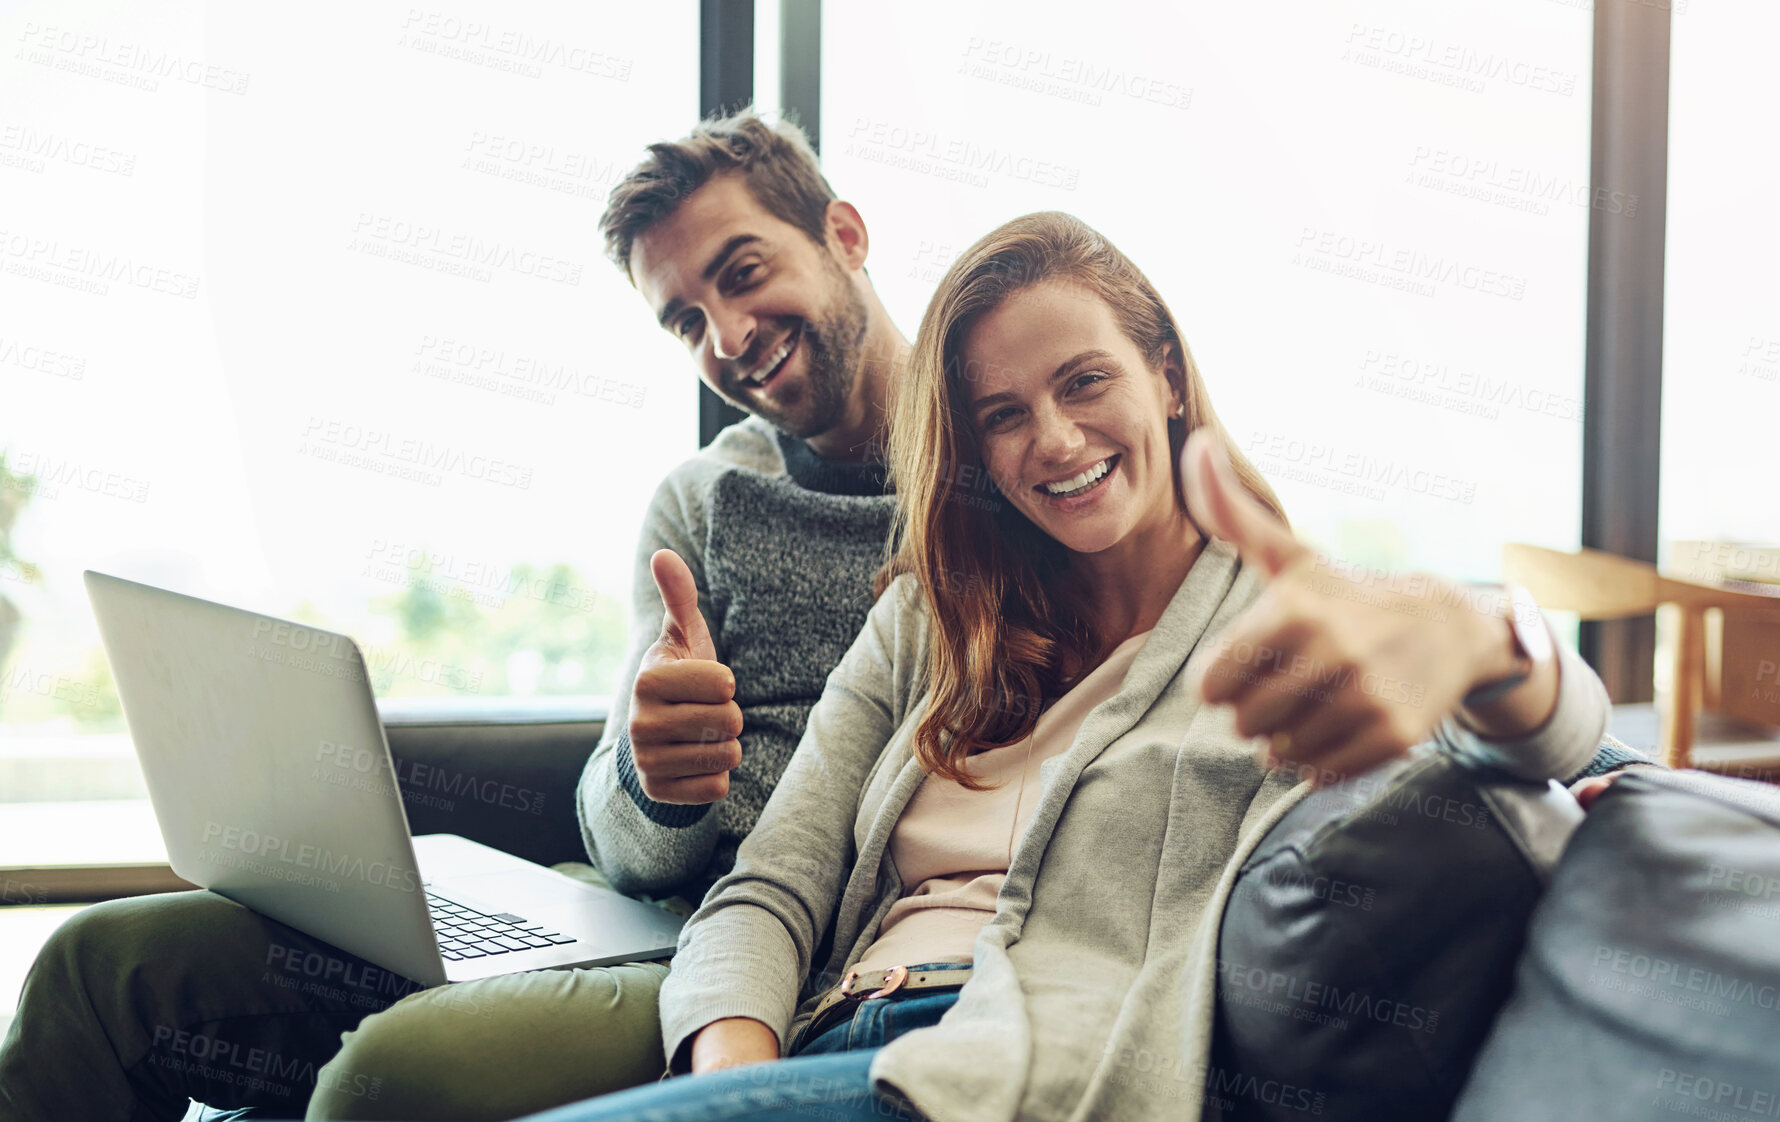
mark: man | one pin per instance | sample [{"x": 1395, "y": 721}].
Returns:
[{"x": 742, "y": 251}]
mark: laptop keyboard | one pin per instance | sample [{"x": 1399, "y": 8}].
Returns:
[{"x": 466, "y": 933}]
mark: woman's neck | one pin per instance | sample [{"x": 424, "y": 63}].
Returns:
[{"x": 1131, "y": 583}]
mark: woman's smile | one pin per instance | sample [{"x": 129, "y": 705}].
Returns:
[{"x": 1072, "y": 493}]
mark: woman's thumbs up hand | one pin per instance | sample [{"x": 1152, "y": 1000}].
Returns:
[
  {"x": 1223, "y": 508},
  {"x": 1341, "y": 673}
]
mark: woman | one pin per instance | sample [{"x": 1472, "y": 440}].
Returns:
[{"x": 1013, "y": 781}]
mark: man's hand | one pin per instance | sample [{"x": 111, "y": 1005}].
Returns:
[
  {"x": 1341, "y": 672},
  {"x": 732, "y": 1042},
  {"x": 1589, "y": 790},
  {"x": 684, "y": 722}
]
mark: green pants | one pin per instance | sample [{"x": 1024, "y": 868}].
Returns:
[{"x": 135, "y": 1006}]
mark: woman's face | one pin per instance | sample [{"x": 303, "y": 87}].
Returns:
[{"x": 1072, "y": 422}]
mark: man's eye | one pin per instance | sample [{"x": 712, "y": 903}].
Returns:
[
  {"x": 687, "y": 327},
  {"x": 744, "y": 276}
]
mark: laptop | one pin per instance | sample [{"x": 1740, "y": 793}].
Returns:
[{"x": 273, "y": 785}]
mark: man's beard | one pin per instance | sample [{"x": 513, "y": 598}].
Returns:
[{"x": 834, "y": 354}]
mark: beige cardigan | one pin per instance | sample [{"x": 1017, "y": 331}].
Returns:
[{"x": 1094, "y": 984}]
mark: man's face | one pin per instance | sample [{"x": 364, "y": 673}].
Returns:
[{"x": 772, "y": 319}]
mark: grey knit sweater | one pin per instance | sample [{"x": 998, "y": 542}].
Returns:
[{"x": 782, "y": 545}]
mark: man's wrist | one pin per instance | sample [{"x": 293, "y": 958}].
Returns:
[{"x": 673, "y": 816}]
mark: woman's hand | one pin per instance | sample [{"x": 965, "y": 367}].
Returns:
[
  {"x": 1344, "y": 670},
  {"x": 732, "y": 1042}
]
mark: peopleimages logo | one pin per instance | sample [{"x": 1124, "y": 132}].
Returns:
[
  {"x": 873, "y": 139},
  {"x": 50, "y": 474},
  {"x": 1369, "y": 259},
  {"x": 124, "y": 62},
  {"x": 382, "y": 235},
  {"x": 515, "y": 49},
  {"x": 300, "y": 638},
  {"x": 37, "y": 146},
  {"x": 90, "y": 270},
  {"x": 1659, "y": 971},
  {"x": 311, "y": 859},
  {"x": 1755, "y": 1101},
  {"x": 515, "y": 375},
  {"x": 332, "y": 440},
  {"x": 356, "y": 768},
  {"x": 1293, "y": 992}
]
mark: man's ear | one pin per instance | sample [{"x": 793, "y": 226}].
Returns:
[{"x": 846, "y": 234}]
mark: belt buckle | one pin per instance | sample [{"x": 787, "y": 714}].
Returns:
[{"x": 898, "y": 975}]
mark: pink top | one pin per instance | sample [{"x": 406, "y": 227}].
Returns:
[{"x": 954, "y": 845}]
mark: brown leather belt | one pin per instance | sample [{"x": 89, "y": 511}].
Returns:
[{"x": 857, "y": 987}]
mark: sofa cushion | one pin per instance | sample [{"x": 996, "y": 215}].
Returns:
[
  {"x": 510, "y": 785},
  {"x": 1371, "y": 937},
  {"x": 1650, "y": 988}
]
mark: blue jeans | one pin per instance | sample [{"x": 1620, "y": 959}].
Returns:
[{"x": 827, "y": 1079}]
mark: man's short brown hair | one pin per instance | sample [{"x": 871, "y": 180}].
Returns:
[{"x": 775, "y": 161}]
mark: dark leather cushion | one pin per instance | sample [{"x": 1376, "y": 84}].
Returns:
[
  {"x": 1371, "y": 937},
  {"x": 1650, "y": 988},
  {"x": 509, "y": 785}
]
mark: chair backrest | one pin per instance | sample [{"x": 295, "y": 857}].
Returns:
[{"x": 1599, "y": 585}]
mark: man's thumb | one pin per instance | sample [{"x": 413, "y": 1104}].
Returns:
[
  {"x": 679, "y": 595},
  {"x": 1222, "y": 506}
]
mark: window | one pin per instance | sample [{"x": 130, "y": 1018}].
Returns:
[
  {"x": 1721, "y": 297},
  {"x": 309, "y": 315}
]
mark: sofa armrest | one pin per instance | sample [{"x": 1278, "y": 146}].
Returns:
[{"x": 1649, "y": 985}]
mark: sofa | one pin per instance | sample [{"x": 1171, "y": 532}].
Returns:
[
  {"x": 1487, "y": 949},
  {"x": 502, "y": 777},
  {"x": 1430, "y": 941}
]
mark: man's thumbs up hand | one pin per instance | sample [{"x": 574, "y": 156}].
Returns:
[
  {"x": 684, "y": 722},
  {"x": 684, "y": 629},
  {"x": 1341, "y": 673}
]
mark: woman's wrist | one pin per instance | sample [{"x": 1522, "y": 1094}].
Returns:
[
  {"x": 731, "y": 1042},
  {"x": 1498, "y": 654}
]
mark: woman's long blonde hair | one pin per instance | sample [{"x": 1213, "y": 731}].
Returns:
[{"x": 1010, "y": 628}]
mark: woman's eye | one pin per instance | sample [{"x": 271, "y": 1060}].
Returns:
[
  {"x": 1083, "y": 381},
  {"x": 998, "y": 418}
]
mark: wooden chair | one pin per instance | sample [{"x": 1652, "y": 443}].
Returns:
[{"x": 1598, "y": 585}]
